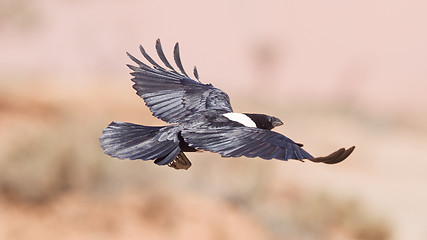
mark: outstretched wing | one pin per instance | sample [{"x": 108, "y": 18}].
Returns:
[
  {"x": 253, "y": 142},
  {"x": 171, "y": 95}
]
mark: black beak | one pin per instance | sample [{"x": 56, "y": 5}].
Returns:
[{"x": 277, "y": 123}]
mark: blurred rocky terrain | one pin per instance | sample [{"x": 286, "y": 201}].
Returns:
[{"x": 337, "y": 73}]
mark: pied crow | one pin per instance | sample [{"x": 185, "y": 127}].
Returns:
[{"x": 200, "y": 117}]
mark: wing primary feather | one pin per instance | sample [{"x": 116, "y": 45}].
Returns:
[
  {"x": 244, "y": 149},
  {"x": 162, "y": 55},
  {"x": 152, "y": 72},
  {"x": 286, "y": 154},
  {"x": 145, "y": 54},
  {"x": 277, "y": 153},
  {"x": 306, "y": 154},
  {"x": 169, "y": 158},
  {"x": 147, "y": 70},
  {"x": 298, "y": 154},
  {"x": 134, "y": 59},
  {"x": 256, "y": 152},
  {"x": 137, "y": 61},
  {"x": 133, "y": 68},
  {"x": 178, "y": 59},
  {"x": 266, "y": 153},
  {"x": 196, "y": 74}
]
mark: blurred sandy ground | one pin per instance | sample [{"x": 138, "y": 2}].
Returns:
[{"x": 339, "y": 73}]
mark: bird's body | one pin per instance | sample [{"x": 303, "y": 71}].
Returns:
[{"x": 201, "y": 118}]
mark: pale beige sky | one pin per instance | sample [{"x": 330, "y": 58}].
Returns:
[
  {"x": 371, "y": 52},
  {"x": 368, "y": 54}
]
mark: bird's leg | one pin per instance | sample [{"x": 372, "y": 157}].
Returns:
[{"x": 180, "y": 162}]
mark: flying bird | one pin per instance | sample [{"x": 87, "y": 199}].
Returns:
[{"x": 201, "y": 119}]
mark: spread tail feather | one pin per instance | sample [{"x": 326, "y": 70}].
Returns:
[{"x": 132, "y": 141}]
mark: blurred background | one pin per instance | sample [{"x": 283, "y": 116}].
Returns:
[{"x": 338, "y": 73}]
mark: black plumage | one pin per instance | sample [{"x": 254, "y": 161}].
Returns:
[{"x": 201, "y": 118}]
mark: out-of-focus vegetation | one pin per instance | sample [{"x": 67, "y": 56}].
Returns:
[
  {"x": 338, "y": 73},
  {"x": 50, "y": 161}
]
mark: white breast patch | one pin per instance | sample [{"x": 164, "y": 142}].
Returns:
[{"x": 240, "y": 118}]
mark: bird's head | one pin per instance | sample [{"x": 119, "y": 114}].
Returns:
[{"x": 264, "y": 121}]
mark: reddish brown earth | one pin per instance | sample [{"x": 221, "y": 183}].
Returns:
[{"x": 337, "y": 73}]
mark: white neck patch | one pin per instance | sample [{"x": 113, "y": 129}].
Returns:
[{"x": 240, "y": 118}]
